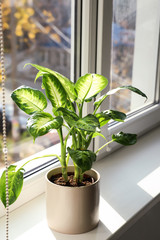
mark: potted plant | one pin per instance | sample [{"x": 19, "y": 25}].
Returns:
[{"x": 67, "y": 101}]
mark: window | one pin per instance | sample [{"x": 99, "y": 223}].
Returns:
[
  {"x": 128, "y": 48},
  {"x": 34, "y": 32},
  {"x": 135, "y": 32}
]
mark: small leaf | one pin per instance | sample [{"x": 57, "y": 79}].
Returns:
[
  {"x": 125, "y": 138},
  {"x": 98, "y": 134},
  {"x": 99, "y": 101},
  {"x": 116, "y": 115},
  {"x": 54, "y": 91},
  {"x": 103, "y": 118},
  {"x": 91, "y": 98},
  {"x": 83, "y": 158},
  {"x": 39, "y": 74},
  {"x": 29, "y": 100},
  {"x": 65, "y": 82},
  {"x": 41, "y": 123},
  {"x": 69, "y": 116},
  {"x": 89, "y": 123},
  {"x": 89, "y": 85},
  {"x": 15, "y": 183},
  {"x": 135, "y": 90},
  {"x": 70, "y": 105},
  {"x": 107, "y": 115}
]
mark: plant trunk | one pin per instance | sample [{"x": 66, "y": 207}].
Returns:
[
  {"x": 77, "y": 174},
  {"x": 63, "y": 156},
  {"x": 64, "y": 173}
]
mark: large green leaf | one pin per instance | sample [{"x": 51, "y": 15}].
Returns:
[
  {"x": 113, "y": 91},
  {"x": 65, "y": 82},
  {"x": 125, "y": 138},
  {"x": 69, "y": 116},
  {"x": 41, "y": 123},
  {"x": 83, "y": 158},
  {"x": 15, "y": 183},
  {"x": 54, "y": 91},
  {"x": 107, "y": 115},
  {"x": 29, "y": 100},
  {"x": 89, "y": 123},
  {"x": 89, "y": 85}
]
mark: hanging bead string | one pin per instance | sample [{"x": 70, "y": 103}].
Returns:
[{"x": 4, "y": 120}]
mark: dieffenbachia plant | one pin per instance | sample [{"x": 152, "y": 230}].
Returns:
[{"x": 67, "y": 101}]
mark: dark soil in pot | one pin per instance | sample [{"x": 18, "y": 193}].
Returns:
[{"x": 58, "y": 179}]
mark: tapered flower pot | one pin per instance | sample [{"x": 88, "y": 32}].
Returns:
[{"x": 72, "y": 210}]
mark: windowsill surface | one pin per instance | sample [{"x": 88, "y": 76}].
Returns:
[{"x": 129, "y": 179}]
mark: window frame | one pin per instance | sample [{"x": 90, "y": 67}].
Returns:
[{"x": 140, "y": 121}]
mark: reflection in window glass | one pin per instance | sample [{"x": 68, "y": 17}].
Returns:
[
  {"x": 34, "y": 32},
  {"x": 135, "y": 31},
  {"x": 123, "y": 38}
]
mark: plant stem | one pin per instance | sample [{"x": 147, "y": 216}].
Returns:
[
  {"x": 80, "y": 110},
  {"x": 104, "y": 146},
  {"x": 76, "y": 172},
  {"x": 63, "y": 155},
  {"x": 74, "y": 142},
  {"x": 95, "y": 110},
  {"x": 66, "y": 126},
  {"x": 64, "y": 173},
  {"x": 67, "y": 159},
  {"x": 50, "y": 155},
  {"x": 81, "y": 175},
  {"x": 66, "y": 138},
  {"x": 89, "y": 139}
]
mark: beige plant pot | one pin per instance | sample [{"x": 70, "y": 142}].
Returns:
[{"x": 72, "y": 210}]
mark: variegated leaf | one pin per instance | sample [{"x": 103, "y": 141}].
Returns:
[
  {"x": 89, "y": 123},
  {"x": 66, "y": 83},
  {"x": 41, "y": 123},
  {"x": 69, "y": 116},
  {"x": 125, "y": 139},
  {"x": 107, "y": 115},
  {"x": 83, "y": 158},
  {"x": 15, "y": 183},
  {"x": 89, "y": 85},
  {"x": 98, "y": 102},
  {"x": 54, "y": 91},
  {"x": 29, "y": 100}
]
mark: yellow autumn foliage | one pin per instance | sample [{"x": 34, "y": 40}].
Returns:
[
  {"x": 17, "y": 15},
  {"x": 25, "y": 25},
  {"x": 49, "y": 16},
  {"x": 30, "y": 12},
  {"x": 56, "y": 37},
  {"x": 31, "y": 35}
]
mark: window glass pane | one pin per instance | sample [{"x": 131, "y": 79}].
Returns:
[
  {"x": 135, "y": 32},
  {"x": 39, "y": 32}
]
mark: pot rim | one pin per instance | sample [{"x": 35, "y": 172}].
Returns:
[{"x": 92, "y": 169}]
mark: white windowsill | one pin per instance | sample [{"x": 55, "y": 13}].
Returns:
[{"x": 129, "y": 181}]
